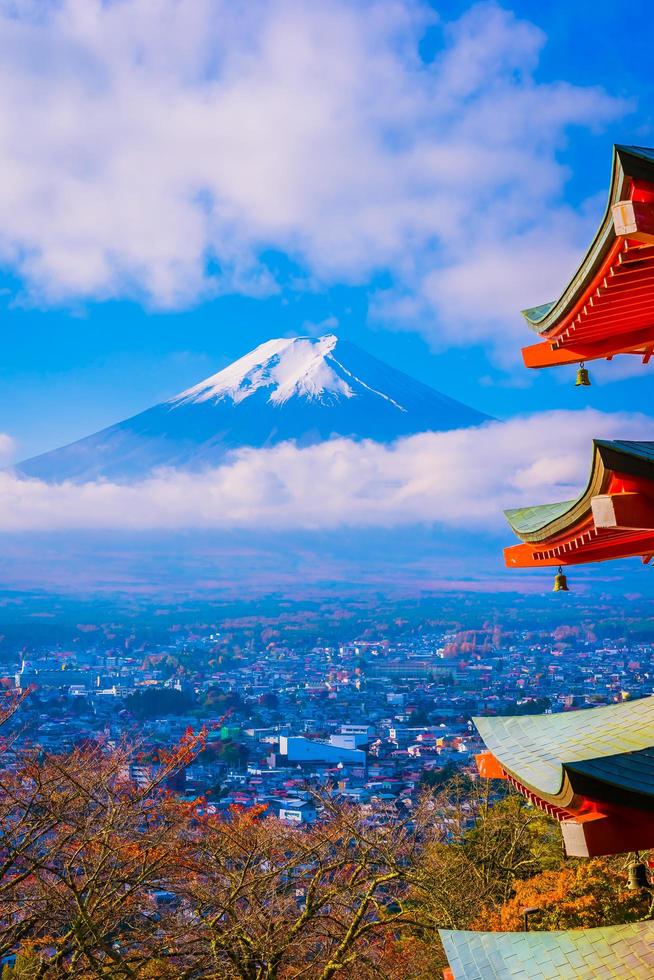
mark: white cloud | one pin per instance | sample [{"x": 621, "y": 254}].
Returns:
[
  {"x": 157, "y": 149},
  {"x": 7, "y": 447},
  {"x": 462, "y": 478}
]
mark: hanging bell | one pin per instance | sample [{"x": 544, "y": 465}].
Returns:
[
  {"x": 583, "y": 377},
  {"x": 560, "y": 582},
  {"x": 638, "y": 877}
]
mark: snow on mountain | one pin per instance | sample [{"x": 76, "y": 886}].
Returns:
[
  {"x": 296, "y": 367},
  {"x": 290, "y": 367},
  {"x": 305, "y": 389}
]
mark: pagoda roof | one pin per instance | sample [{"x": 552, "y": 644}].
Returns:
[
  {"x": 628, "y": 161},
  {"x": 550, "y": 755},
  {"x": 592, "y": 770},
  {"x": 624, "y": 951},
  {"x": 540, "y": 522},
  {"x": 579, "y": 530},
  {"x": 606, "y": 308}
]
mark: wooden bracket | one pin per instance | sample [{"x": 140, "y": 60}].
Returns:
[
  {"x": 635, "y": 220},
  {"x": 623, "y": 511}
]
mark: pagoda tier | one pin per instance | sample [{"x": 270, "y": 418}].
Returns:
[
  {"x": 624, "y": 951},
  {"x": 592, "y": 770},
  {"x": 613, "y": 517},
  {"x": 608, "y": 306}
]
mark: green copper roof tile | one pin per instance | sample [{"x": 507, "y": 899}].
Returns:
[
  {"x": 537, "y": 313},
  {"x": 535, "y": 748},
  {"x": 527, "y": 519},
  {"x": 624, "y": 951}
]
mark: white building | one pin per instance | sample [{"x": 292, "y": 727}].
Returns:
[{"x": 299, "y": 749}]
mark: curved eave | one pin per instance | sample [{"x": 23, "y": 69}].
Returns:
[
  {"x": 629, "y": 162},
  {"x": 627, "y": 777},
  {"x": 535, "y": 749},
  {"x": 546, "y": 522}
]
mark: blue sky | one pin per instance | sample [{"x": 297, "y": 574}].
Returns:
[{"x": 181, "y": 183}]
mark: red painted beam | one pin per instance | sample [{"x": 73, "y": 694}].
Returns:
[
  {"x": 600, "y": 327},
  {"x": 630, "y": 256},
  {"x": 606, "y": 312},
  {"x": 590, "y": 335},
  {"x": 542, "y": 355},
  {"x": 623, "y": 292},
  {"x": 595, "y": 828},
  {"x": 550, "y": 555},
  {"x": 623, "y": 275},
  {"x": 600, "y": 834},
  {"x": 488, "y": 767}
]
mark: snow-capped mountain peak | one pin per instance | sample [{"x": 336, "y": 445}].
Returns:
[
  {"x": 301, "y": 366},
  {"x": 303, "y": 390}
]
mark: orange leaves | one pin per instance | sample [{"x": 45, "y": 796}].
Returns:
[
  {"x": 248, "y": 814},
  {"x": 189, "y": 746},
  {"x": 580, "y": 895}
]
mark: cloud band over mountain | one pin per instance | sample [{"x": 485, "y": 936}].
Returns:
[{"x": 461, "y": 478}]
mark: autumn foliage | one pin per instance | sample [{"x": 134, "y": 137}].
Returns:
[{"x": 580, "y": 895}]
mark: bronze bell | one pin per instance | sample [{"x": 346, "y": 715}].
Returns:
[
  {"x": 560, "y": 582},
  {"x": 583, "y": 377},
  {"x": 638, "y": 877}
]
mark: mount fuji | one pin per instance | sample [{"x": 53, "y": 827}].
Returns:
[{"x": 302, "y": 389}]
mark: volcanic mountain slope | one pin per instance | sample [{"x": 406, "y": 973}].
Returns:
[{"x": 301, "y": 389}]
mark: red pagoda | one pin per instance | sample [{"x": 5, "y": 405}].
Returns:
[
  {"x": 612, "y": 518},
  {"x": 607, "y": 308},
  {"x": 592, "y": 770}
]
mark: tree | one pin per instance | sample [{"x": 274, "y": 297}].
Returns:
[
  {"x": 272, "y": 900},
  {"x": 84, "y": 852},
  {"x": 231, "y": 752},
  {"x": 486, "y": 847},
  {"x": 511, "y": 841},
  {"x": 105, "y": 877},
  {"x": 579, "y": 895},
  {"x": 155, "y": 702},
  {"x": 435, "y": 779},
  {"x": 102, "y": 878},
  {"x": 26, "y": 967}
]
